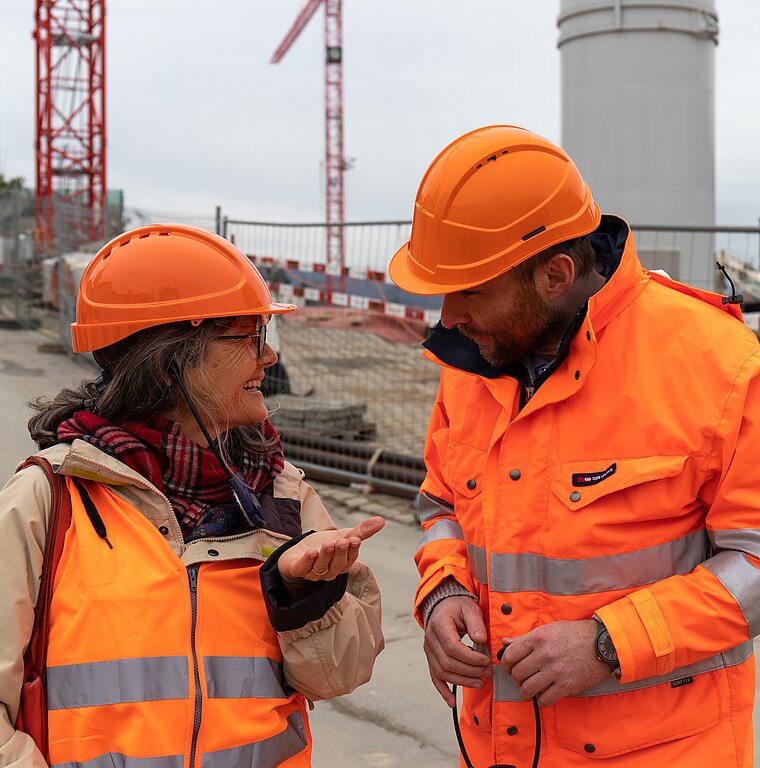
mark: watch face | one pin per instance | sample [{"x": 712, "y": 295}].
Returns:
[{"x": 605, "y": 648}]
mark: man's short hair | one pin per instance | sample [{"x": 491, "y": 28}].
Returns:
[{"x": 579, "y": 249}]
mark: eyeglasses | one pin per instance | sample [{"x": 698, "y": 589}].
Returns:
[{"x": 260, "y": 336}]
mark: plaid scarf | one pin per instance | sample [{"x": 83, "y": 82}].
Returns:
[{"x": 188, "y": 474}]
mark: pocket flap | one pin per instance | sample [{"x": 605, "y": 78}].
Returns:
[
  {"x": 580, "y": 483},
  {"x": 466, "y": 470}
]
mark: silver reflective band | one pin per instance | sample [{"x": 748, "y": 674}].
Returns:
[
  {"x": 268, "y": 753},
  {"x": 443, "y": 529},
  {"x": 505, "y": 689},
  {"x": 117, "y": 682},
  {"x": 117, "y": 760},
  {"x": 742, "y": 539},
  {"x": 742, "y": 580},
  {"x": 478, "y": 563},
  {"x": 527, "y": 572},
  {"x": 243, "y": 677},
  {"x": 431, "y": 507}
]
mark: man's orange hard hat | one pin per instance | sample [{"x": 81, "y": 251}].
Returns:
[
  {"x": 490, "y": 200},
  {"x": 165, "y": 273}
]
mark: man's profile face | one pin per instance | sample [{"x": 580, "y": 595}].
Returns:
[{"x": 506, "y": 318}]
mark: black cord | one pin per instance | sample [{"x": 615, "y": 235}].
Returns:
[
  {"x": 92, "y": 512},
  {"x": 733, "y": 298},
  {"x": 246, "y": 500},
  {"x": 460, "y": 740},
  {"x": 458, "y": 732},
  {"x": 537, "y": 750}
]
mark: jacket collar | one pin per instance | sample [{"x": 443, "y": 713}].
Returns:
[
  {"x": 626, "y": 278},
  {"x": 82, "y": 459}
]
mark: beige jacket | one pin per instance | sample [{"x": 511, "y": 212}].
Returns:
[{"x": 326, "y": 658}]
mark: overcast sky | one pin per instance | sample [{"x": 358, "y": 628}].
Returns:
[{"x": 197, "y": 116}]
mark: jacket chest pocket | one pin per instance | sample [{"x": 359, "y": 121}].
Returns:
[
  {"x": 625, "y": 490},
  {"x": 466, "y": 468}
]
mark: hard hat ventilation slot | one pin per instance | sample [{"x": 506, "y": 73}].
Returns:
[
  {"x": 534, "y": 233},
  {"x": 491, "y": 159}
]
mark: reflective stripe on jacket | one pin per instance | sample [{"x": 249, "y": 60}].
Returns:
[
  {"x": 627, "y": 486},
  {"x": 165, "y": 662}
]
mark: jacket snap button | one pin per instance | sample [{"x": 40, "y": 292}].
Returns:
[
  {"x": 575, "y": 496},
  {"x": 475, "y": 720},
  {"x": 589, "y": 748},
  {"x": 213, "y": 553},
  {"x": 514, "y": 474},
  {"x": 506, "y": 609},
  {"x": 588, "y": 335},
  {"x": 163, "y": 530},
  {"x": 577, "y": 375},
  {"x": 512, "y": 730},
  {"x": 471, "y": 484}
]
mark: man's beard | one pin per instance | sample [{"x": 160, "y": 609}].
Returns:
[{"x": 530, "y": 326}]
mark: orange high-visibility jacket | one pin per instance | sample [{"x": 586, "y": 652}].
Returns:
[
  {"x": 170, "y": 665},
  {"x": 629, "y": 486},
  {"x": 164, "y": 653}
]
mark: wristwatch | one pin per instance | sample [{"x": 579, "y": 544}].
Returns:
[{"x": 605, "y": 648}]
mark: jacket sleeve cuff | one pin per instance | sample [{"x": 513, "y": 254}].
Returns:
[
  {"x": 637, "y": 655},
  {"x": 449, "y": 587},
  {"x": 288, "y": 610}
]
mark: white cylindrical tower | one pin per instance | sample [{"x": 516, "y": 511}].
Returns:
[{"x": 638, "y": 116}]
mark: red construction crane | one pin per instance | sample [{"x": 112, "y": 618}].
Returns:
[
  {"x": 71, "y": 116},
  {"x": 335, "y": 162}
]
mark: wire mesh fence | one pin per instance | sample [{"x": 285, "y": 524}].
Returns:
[
  {"x": 20, "y": 278},
  {"x": 355, "y": 340},
  {"x": 352, "y": 392}
]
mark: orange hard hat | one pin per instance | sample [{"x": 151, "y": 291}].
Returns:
[
  {"x": 490, "y": 200},
  {"x": 165, "y": 273}
]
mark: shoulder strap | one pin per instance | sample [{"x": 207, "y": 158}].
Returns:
[{"x": 60, "y": 519}]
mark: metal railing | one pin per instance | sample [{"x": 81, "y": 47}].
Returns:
[
  {"x": 357, "y": 342},
  {"x": 352, "y": 393}
]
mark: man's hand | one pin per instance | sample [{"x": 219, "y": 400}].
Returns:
[
  {"x": 449, "y": 659},
  {"x": 326, "y": 554},
  {"x": 554, "y": 661}
]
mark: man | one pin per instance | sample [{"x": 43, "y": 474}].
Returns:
[{"x": 592, "y": 500}]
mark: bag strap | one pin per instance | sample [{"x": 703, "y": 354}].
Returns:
[{"x": 35, "y": 657}]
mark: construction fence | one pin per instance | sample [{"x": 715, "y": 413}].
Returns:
[{"x": 351, "y": 394}]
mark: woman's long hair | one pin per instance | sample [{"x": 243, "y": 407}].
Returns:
[{"x": 136, "y": 385}]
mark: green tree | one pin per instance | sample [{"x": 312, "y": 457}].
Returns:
[{"x": 8, "y": 184}]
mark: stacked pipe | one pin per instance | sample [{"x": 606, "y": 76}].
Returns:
[{"x": 348, "y": 462}]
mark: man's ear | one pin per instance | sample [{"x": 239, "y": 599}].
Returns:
[{"x": 555, "y": 277}]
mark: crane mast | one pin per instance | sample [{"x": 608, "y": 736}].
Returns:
[
  {"x": 70, "y": 139},
  {"x": 335, "y": 163}
]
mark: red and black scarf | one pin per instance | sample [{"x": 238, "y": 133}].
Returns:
[{"x": 188, "y": 474}]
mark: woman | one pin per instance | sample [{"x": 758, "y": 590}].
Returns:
[{"x": 195, "y": 608}]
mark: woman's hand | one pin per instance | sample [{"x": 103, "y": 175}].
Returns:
[{"x": 326, "y": 554}]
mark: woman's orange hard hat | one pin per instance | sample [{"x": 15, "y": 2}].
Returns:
[{"x": 165, "y": 273}]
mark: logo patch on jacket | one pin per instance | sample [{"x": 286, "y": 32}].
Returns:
[
  {"x": 681, "y": 681},
  {"x": 582, "y": 479}
]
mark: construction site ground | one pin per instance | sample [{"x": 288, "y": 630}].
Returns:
[{"x": 395, "y": 720}]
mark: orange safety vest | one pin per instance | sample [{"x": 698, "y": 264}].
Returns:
[
  {"x": 627, "y": 486},
  {"x": 153, "y": 661}
]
